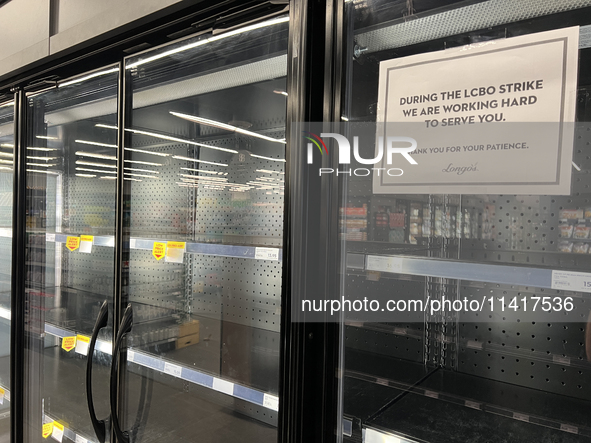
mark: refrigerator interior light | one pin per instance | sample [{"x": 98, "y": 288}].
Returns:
[
  {"x": 268, "y": 158},
  {"x": 180, "y": 140},
  {"x": 96, "y": 170},
  {"x": 41, "y": 164},
  {"x": 88, "y": 77},
  {"x": 195, "y": 177},
  {"x": 143, "y": 163},
  {"x": 7, "y": 104},
  {"x": 280, "y": 92},
  {"x": 141, "y": 175},
  {"x": 30, "y": 157},
  {"x": 88, "y": 142},
  {"x": 99, "y": 165},
  {"x": 6, "y": 145},
  {"x": 143, "y": 151},
  {"x": 269, "y": 171},
  {"x": 85, "y": 175},
  {"x": 42, "y": 172},
  {"x": 220, "y": 125},
  {"x": 10, "y": 162},
  {"x": 37, "y": 148},
  {"x": 46, "y": 137},
  {"x": 180, "y": 157},
  {"x": 208, "y": 40},
  {"x": 6, "y": 154},
  {"x": 108, "y": 178},
  {"x": 142, "y": 170},
  {"x": 94, "y": 155}
]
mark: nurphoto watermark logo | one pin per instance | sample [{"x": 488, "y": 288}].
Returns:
[{"x": 391, "y": 150}]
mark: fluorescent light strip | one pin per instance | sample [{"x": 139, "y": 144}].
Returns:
[
  {"x": 205, "y": 177},
  {"x": 132, "y": 179},
  {"x": 93, "y": 155},
  {"x": 164, "y": 137},
  {"x": 108, "y": 178},
  {"x": 100, "y": 165},
  {"x": 35, "y": 148},
  {"x": 40, "y": 164},
  {"x": 161, "y": 154},
  {"x": 141, "y": 170},
  {"x": 6, "y": 154},
  {"x": 41, "y": 158},
  {"x": 87, "y": 142},
  {"x": 4, "y": 168},
  {"x": 85, "y": 175},
  {"x": 180, "y": 157},
  {"x": 140, "y": 175},
  {"x": 46, "y": 137},
  {"x": 207, "y": 122},
  {"x": 268, "y": 158},
  {"x": 42, "y": 172},
  {"x": 143, "y": 163},
  {"x": 280, "y": 92},
  {"x": 270, "y": 172},
  {"x": 7, "y": 104},
  {"x": 180, "y": 140},
  {"x": 88, "y": 77},
  {"x": 208, "y": 40},
  {"x": 9, "y": 162},
  {"x": 6, "y": 145},
  {"x": 202, "y": 170},
  {"x": 96, "y": 170}
]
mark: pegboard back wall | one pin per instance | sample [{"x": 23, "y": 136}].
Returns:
[
  {"x": 90, "y": 205},
  {"x": 513, "y": 348},
  {"x": 237, "y": 290}
]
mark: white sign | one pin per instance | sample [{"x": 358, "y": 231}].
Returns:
[
  {"x": 490, "y": 118},
  {"x": 571, "y": 281},
  {"x": 271, "y": 402}
]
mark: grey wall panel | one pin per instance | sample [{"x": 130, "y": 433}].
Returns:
[
  {"x": 24, "y": 33},
  {"x": 81, "y": 20}
]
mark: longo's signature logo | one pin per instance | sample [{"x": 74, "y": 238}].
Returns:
[{"x": 344, "y": 153}]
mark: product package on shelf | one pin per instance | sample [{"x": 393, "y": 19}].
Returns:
[
  {"x": 574, "y": 228},
  {"x": 353, "y": 223}
]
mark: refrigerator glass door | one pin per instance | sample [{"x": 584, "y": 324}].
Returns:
[
  {"x": 70, "y": 207},
  {"x": 478, "y": 252},
  {"x": 204, "y": 185},
  {"x": 6, "y": 189}
]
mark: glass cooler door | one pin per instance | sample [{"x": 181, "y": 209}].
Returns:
[
  {"x": 508, "y": 357},
  {"x": 70, "y": 228},
  {"x": 204, "y": 168},
  {"x": 6, "y": 203}
]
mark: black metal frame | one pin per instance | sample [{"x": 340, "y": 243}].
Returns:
[{"x": 309, "y": 388}]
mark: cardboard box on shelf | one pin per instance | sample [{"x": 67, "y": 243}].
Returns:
[
  {"x": 189, "y": 328},
  {"x": 183, "y": 342}
]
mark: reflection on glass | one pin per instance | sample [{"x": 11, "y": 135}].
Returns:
[
  {"x": 6, "y": 189},
  {"x": 205, "y": 168},
  {"x": 70, "y": 217},
  {"x": 455, "y": 376}
]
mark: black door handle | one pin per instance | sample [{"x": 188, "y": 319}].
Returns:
[
  {"x": 125, "y": 327},
  {"x": 101, "y": 321}
]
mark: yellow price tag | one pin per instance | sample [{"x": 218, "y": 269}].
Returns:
[
  {"x": 159, "y": 250},
  {"x": 88, "y": 238},
  {"x": 47, "y": 429},
  {"x": 68, "y": 343},
  {"x": 73, "y": 243}
]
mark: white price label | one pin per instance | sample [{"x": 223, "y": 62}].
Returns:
[
  {"x": 266, "y": 253},
  {"x": 431, "y": 394},
  {"x": 571, "y": 281},
  {"x": 172, "y": 369},
  {"x": 58, "y": 432},
  {"x": 569, "y": 428},
  {"x": 50, "y": 237},
  {"x": 80, "y": 439},
  {"x": 472, "y": 404},
  {"x": 383, "y": 264},
  {"x": 82, "y": 344},
  {"x": 271, "y": 402},
  {"x": 223, "y": 386},
  {"x": 7, "y": 395},
  {"x": 561, "y": 360},
  {"x": 130, "y": 355}
]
